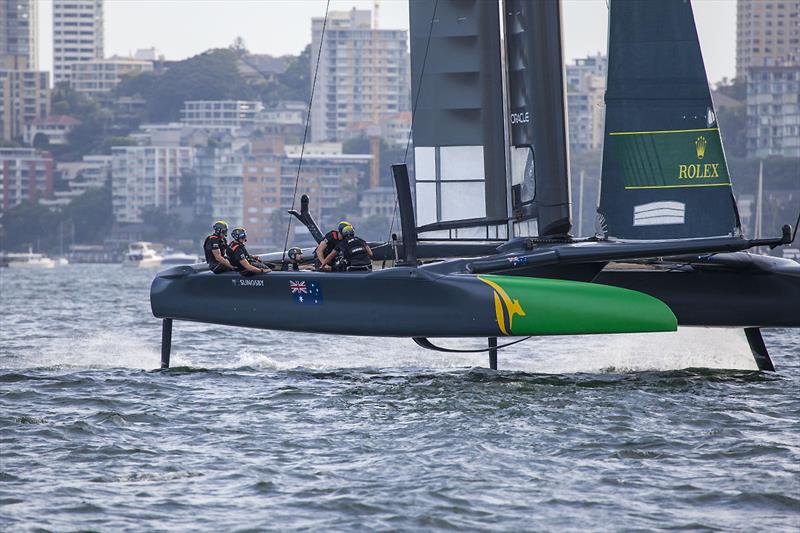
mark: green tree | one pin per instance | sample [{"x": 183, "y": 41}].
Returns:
[
  {"x": 90, "y": 215},
  {"x": 28, "y": 225},
  {"x": 212, "y": 75}
]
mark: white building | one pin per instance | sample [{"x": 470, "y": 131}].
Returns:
[
  {"x": 363, "y": 74},
  {"x": 220, "y": 113},
  {"x": 77, "y": 34},
  {"x": 98, "y": 77},
  {"x": 773, "y": 111},
  {"x": 146, "y": 177},
  {"x": 586, "y": 86},
  {"x": 286, "y": 112},
  {"x": 55, "y": 128}
]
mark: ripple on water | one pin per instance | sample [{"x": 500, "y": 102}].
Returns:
[{"x": 259, "y": 430}]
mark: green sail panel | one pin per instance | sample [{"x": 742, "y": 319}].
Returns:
[
  {"x": 664, "y": 172},
  {"x": 670, "y": 159}
]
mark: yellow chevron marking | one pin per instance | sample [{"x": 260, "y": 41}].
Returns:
[{"x": 513, "y": 307}]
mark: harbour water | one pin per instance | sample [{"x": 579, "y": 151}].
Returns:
[{"x": 256, "y": 430}]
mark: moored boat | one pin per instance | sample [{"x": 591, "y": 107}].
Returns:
[{"x": 141, "y": 254}]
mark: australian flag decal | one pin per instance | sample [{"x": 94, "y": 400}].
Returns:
[{"x": 306, "y": 292}]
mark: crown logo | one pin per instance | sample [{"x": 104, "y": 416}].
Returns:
[{"x": 700, "y": 146}]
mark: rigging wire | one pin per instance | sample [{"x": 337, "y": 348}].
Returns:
[
  {"x": 414, "y": 108},
  {"x": 305, "y": 132}
]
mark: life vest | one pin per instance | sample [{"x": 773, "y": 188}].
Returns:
[{"x": 208, "y": 250}]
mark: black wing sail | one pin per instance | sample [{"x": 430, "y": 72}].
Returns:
[
  {"x": 538, "y": 125},
  {"x": 459, "y": 148},
  {"x": 664, "y": 170}
]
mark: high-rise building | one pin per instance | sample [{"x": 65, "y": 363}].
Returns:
[
  {"x": 77, "y": 34},
  {"x": 24, "y": 91},
  {"x": 767, "y": 34},
  {"x": 27, "y": 174},
  {"x": 18, "y": 34},
  {"x": 363, "y": 74},
  {"x": 586, "y": 86},
  {"x": 773, "y": 111},
  {"x": 24, "y": 96},
  {"x": 98, "y": 77}
]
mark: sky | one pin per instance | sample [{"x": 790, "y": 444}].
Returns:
[{"x": 183, "y": 28}]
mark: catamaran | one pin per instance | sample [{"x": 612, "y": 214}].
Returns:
[{"x": 486, "y": 250}]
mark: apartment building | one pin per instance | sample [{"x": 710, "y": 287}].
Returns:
[
  {"x": 330, "y": 178},
  {"x": 96, "y": 78},
  {"x": 220, "y": 113},
  {"x": 586, "y": 86},
  {"x": 363, "y": 74},
  {"x": 27, "y": 174},
  {"x": 18, "y": 34},
  {"x": 767, "y": 34},
  {"x": 773, "y": 111},
  {"x": 77, "y": 35},
  {"x": 24, "y": 96},
  {"x": 147, "y": 177}
]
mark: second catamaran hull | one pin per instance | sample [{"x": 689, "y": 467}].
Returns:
[{"x": 405, "y": 302}]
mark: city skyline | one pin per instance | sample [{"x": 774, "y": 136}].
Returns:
[{"x": 280, "y": 27}]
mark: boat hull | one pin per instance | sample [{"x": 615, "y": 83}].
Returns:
[{"x": 405, "y": 302}]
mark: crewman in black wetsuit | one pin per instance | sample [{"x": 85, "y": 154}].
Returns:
[
  {"x": 324, "y": 259},
  {"x": 294, "y": 264},
  {"x": 242, "y": 261},
  {"x": 355, "y": 253},
  {"x": 216, "y": 248}
]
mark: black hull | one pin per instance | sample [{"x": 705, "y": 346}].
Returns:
[{"x": 719, "y": 297}]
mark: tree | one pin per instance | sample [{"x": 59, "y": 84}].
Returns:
[
  {"x": 90, "y": 215},
  {"x": 212, "y": 75},
  {"x": 28, "y": 224},
  {"x": 41, "y": 141}
]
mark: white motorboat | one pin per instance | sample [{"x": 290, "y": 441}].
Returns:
[
  {"x": 141, "y": 254},
  {"x": 29, "y": 260}
]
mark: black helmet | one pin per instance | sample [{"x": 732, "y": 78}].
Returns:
[
  {"x": 294, "y": 252},
  {"x": 220, "y": 228},
  {"x": 349, "y": 231},
  {"x": 238, "y": 234}
]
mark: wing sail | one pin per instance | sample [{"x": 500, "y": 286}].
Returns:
[
  {"x": 664, "y": 170},
  {"x": 537, "y": 122},
  {"x": 459, "y": 147}
]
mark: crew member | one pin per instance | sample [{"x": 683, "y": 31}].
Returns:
[
  {"x": 242, "y": 261},
  {"x": 295, "y": 261},
  {"x": 325, "y": 248},
  {"x": 355, "y": 253},
  {"x": 216, "y": 248}
]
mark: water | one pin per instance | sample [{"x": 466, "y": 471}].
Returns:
[{"x": 255, "y": 430}]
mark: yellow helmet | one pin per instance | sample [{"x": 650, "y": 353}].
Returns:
[{"x": 220, "y": 227}]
